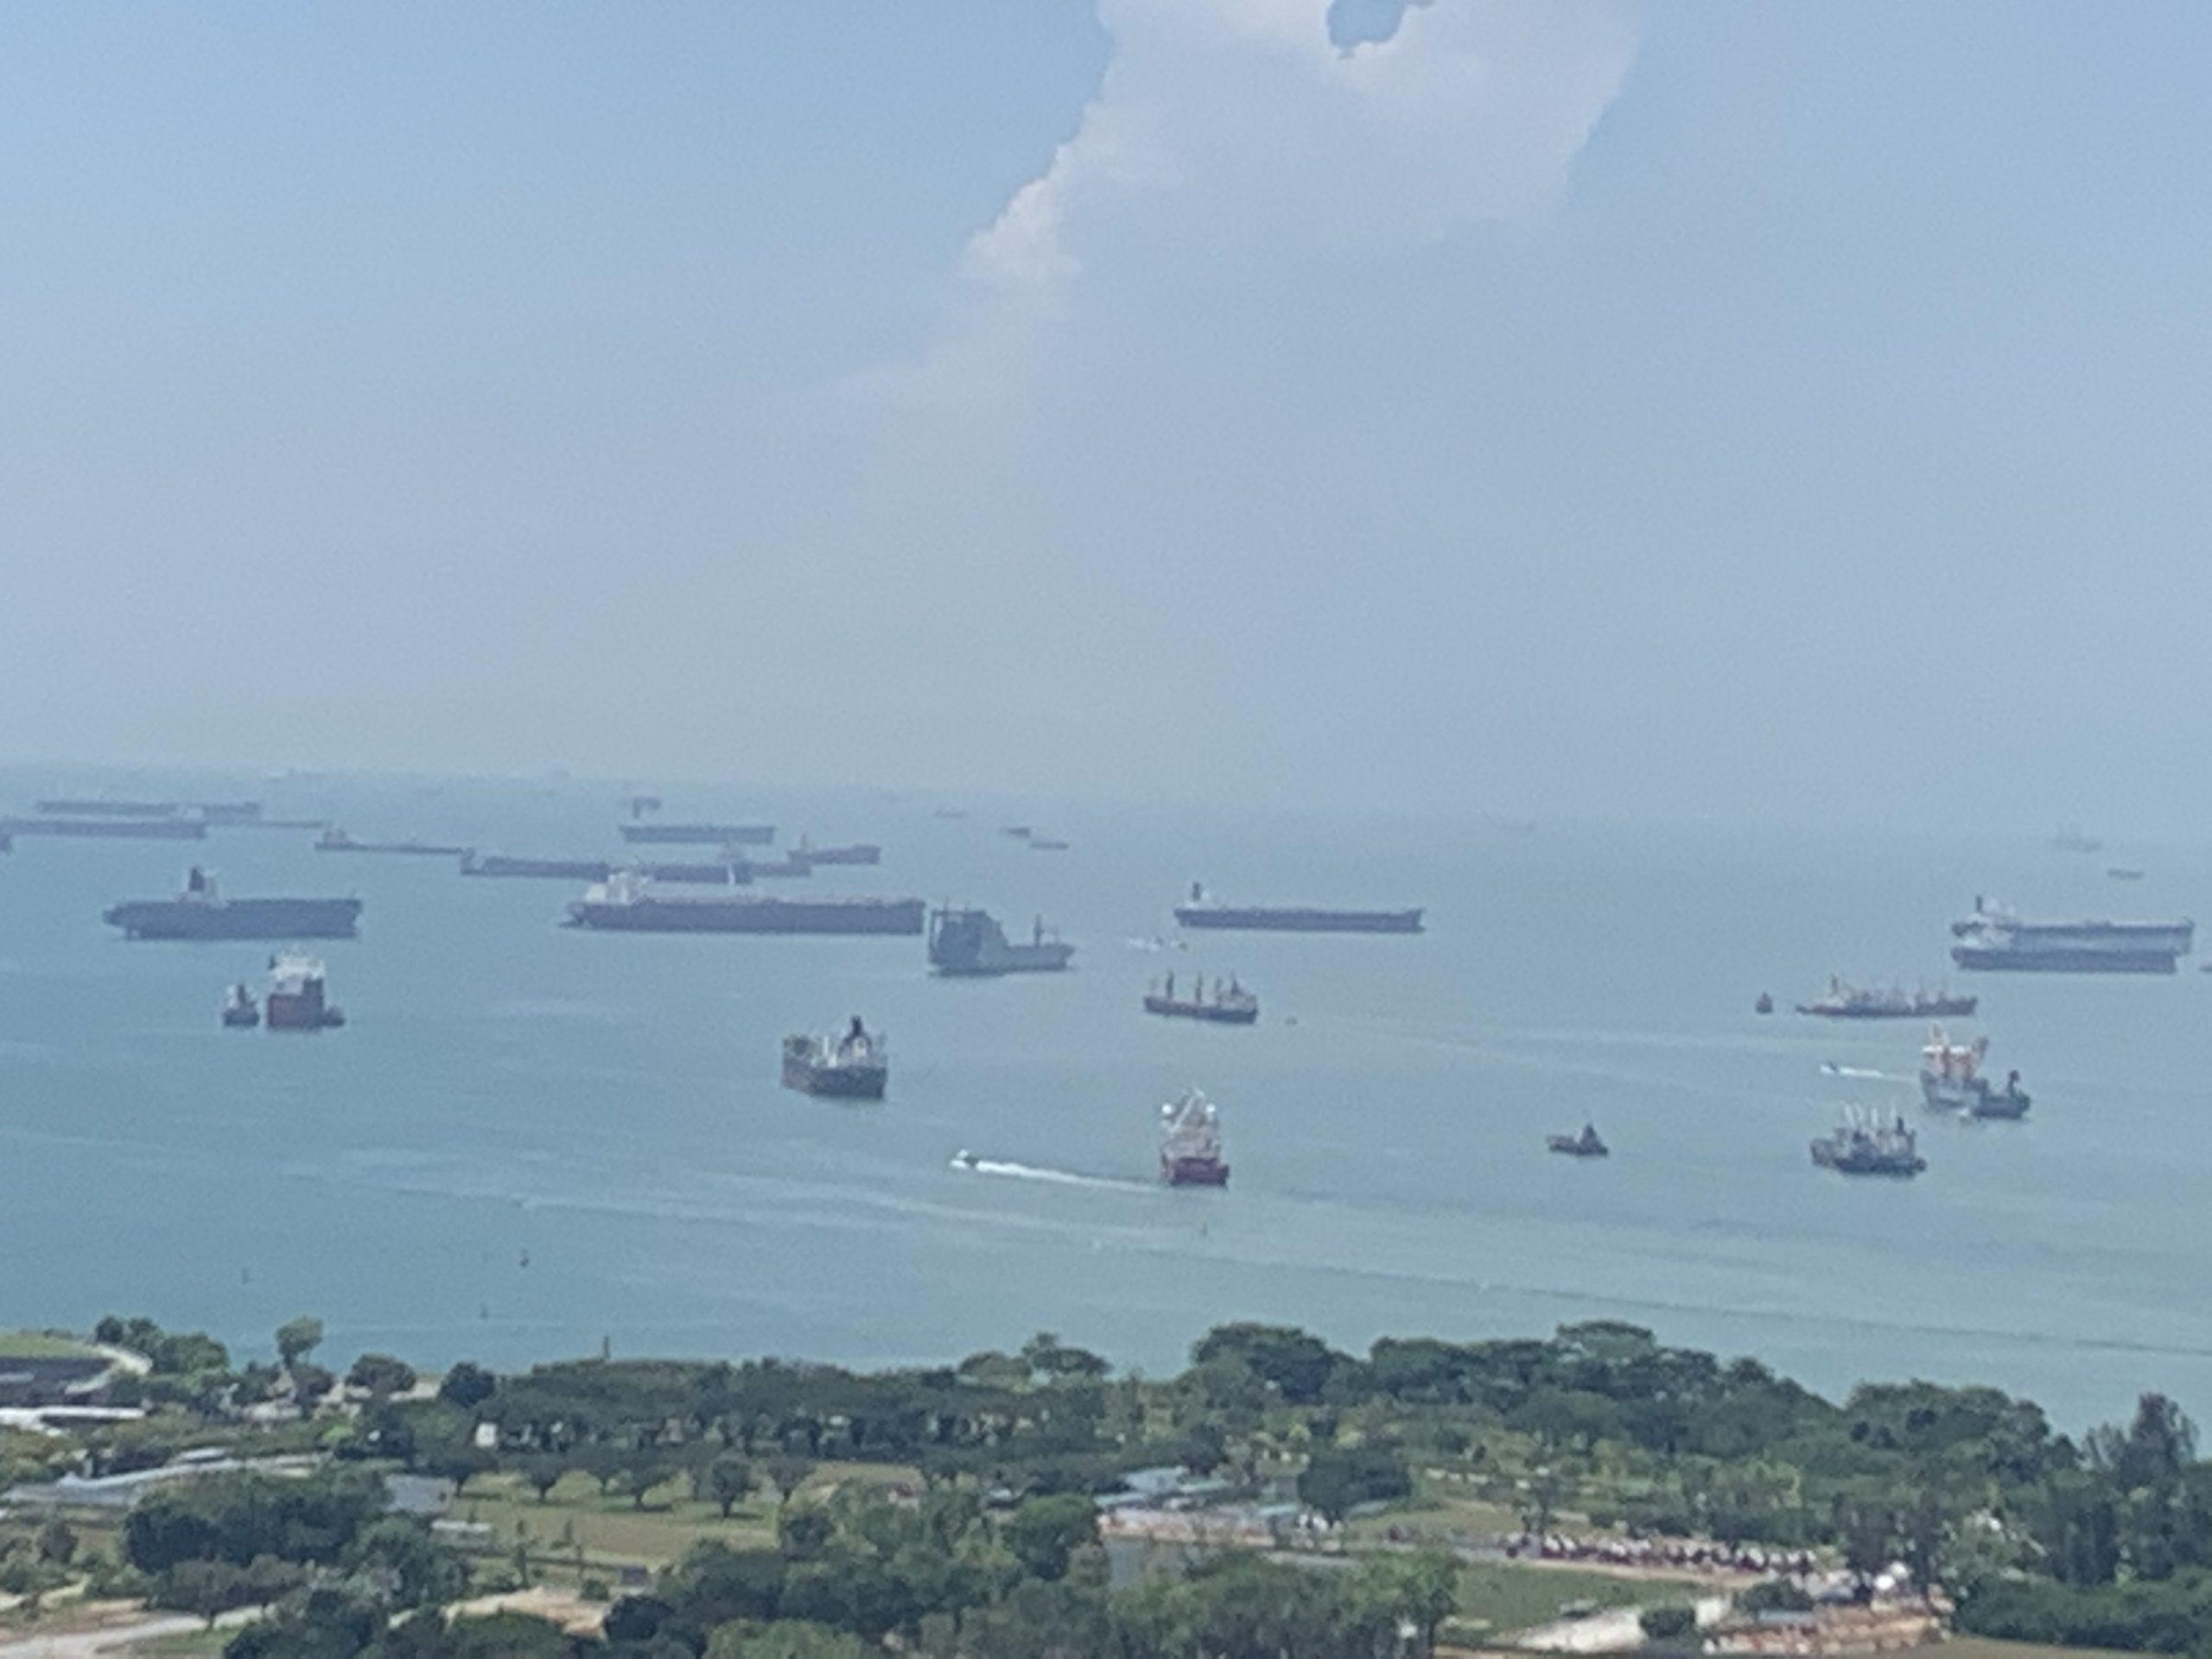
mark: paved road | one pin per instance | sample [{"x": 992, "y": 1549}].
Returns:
[{"x": 115, "y": 1639}]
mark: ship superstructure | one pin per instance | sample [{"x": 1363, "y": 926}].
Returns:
[{"x": 297, "y": 999}]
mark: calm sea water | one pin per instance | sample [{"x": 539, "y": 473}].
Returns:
[{"x": 531, "y": 1139}]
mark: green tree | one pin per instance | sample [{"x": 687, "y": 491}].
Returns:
[
  {"x": 1337, "y": 1479},
  {"x": 787, "y": 1474},
  {"x": 784, "y": 1638},
  {"x": 297, "y": 1339},
  {"x": 381, "y": 1375},
  {"x": 1668, "y": 1623},
  {"x": 1043, "y": 1532},
  {"x": 1423, "y": 1589},
  {"x": 468, "y": 1386},
  {"x": 728, "y": 1478}
]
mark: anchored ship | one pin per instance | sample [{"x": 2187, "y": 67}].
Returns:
[
  {"x": 202, "y": 912},
  {"x": 1585, "y": 1145},
  {"x": 972, "y": 942},
  {"x": 1190, "y": 1143},
  {"x": 167, "y": 828},
  {"x": 1951, "y": 1079},
  {"x": 1230, "y": 1004},
  {"x": 1202, "y": 912},
  {"x": 859, "y": 852},
  {"x": 295, "y": 1000},
  {"x": 240, "y": 1011},
  {"x": 1846, "y": 1001},
  {"x": 855, "y": 1066},
  {"x": 335, "y": 840},
  {"x": 708, "y": 834},
  {"x": 775, "y": 868},
  {"x": 1865, "y": 1146},
  {"x": 631, "y": 902},
  {"x": 1998, "y": 939},
  {"x": 567, "y": 869}
]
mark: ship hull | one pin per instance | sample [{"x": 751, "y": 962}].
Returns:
[
  {"x": 1299, "y": 921},
  {"x": 1847, "y": 1164},
  {"x": 1018, "y": 959},
  {"x": 402, "y": 848},
  {"x": 970, "y": 945},
  {"x": 121, "y": 829},
  {"x": 708, "y": 834},
  {"x": 901, "y": 917},
  {"x": 302, "y": 1013},
  {"x": 2060, "y": 960},
  {"x": 1194, "y": 1172},
  {"x": 1949, "y": 1008},
  {"x": 837, "y": 1081},
  {"x": 1168, "y": 1007},
  {"x": 237, "y": 919},
  {"x": 565, "y": 869}
]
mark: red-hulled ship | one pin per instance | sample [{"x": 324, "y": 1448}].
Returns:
[{"x": 296, "y": 998}]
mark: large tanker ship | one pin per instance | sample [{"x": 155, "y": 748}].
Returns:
[
  {"x": 629, "y": 903},
  {"x": 1199, "y": 911},
  {"x": 1998, "y": 939},
  {"x": 202, "y": 912}
]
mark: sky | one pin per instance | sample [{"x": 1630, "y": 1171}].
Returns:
[{"x": 1691, "y": 409}]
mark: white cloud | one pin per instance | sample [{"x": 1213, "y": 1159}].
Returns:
[{"x": 1248, "y": 130}]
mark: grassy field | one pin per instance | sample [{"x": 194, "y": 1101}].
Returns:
[
  {"x": 616, "y": 1530},
  {"x": 1500, "y": 1597},
  {"x": 1980, "y": 1647}
]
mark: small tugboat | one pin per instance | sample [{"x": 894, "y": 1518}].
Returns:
[
  {"x": 297, "y": 1000},
  {"x": 1866, "y": 1146},
  {"x": 1230, "y": 1004},
  {"x": 240, "y": 1011},
  {"x": 1764, "y": 1005},
  {"x": 1848, "y": 1002},
  {"x": 1190, "y": 1143},
  {"x": 1585, "y": 1145},
  {"x": 1951, "y": 1079},
  {"x": 855, "y": 1066}
]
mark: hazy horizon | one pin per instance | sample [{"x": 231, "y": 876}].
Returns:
[{"x": 1567, "y": 408}]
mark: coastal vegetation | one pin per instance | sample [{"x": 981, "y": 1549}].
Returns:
[{"x": 780, "y": 1508}]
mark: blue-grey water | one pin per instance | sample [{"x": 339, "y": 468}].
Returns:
[{"x": 531, "y": 1139}]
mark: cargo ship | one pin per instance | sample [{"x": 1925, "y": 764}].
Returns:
[
  {"x": 1202, "y": 912},
  {"x": 202, "y": 912},
  {"x": 1951, "y": 1079},
  {"x": 858, "y": 852},
  {"x": 775, "y": 870},
  {"x": 1190, "y": 1143},
  {"x": 1866, "y": 1146},
  {"x": 107, "y": 808},
  {"x": 114, "y": 828},
  {"x": 726, "y": 872},
  {"x": 1995, "y": 939},
  {"x": 855, "y": 1066},
  {"x": 972, "y": 942},
  {"x": 703, "y": 834},
  {"x": 335, "y": 840},
  {"x": 240, "y": 1011},
  {"x": 1846, "y": 1001},
  {"x": 566, "y": 869},
  {"x": 295, "y": 1000},
  {"x": 1229, "y": 1005},
  {"x": 628, "y": 903}
]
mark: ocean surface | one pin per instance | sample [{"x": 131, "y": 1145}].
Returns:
[{"x": 530, "y": 1141}]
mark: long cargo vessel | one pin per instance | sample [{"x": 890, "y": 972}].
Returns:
[
  {"x": 221, "y": 812},
  {"x": 1229, "y": 1005},
  {"x": 628, "y": 903},
  {"x": 1846, "y": 1001},
  {"x": 566, "y": 869},
  {"x": 1202, "y": 912},
  {"x": 701, "y": 834},
  {"x": 335, "y": 839},
  {"x": 129, "y": 829},
  {"x": 1996, "y": 939},
  {"x": 972, "y": 942},
  {"x": 858, "y": 852},
  {"x": 202, "y": 912}
]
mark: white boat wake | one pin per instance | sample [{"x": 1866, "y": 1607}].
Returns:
[
  {"x": 970, "y": 1163},
  {"x": 1835, "y": 1070}
]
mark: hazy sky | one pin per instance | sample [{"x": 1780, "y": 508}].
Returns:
[{"x": 1528, "y": 405}]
